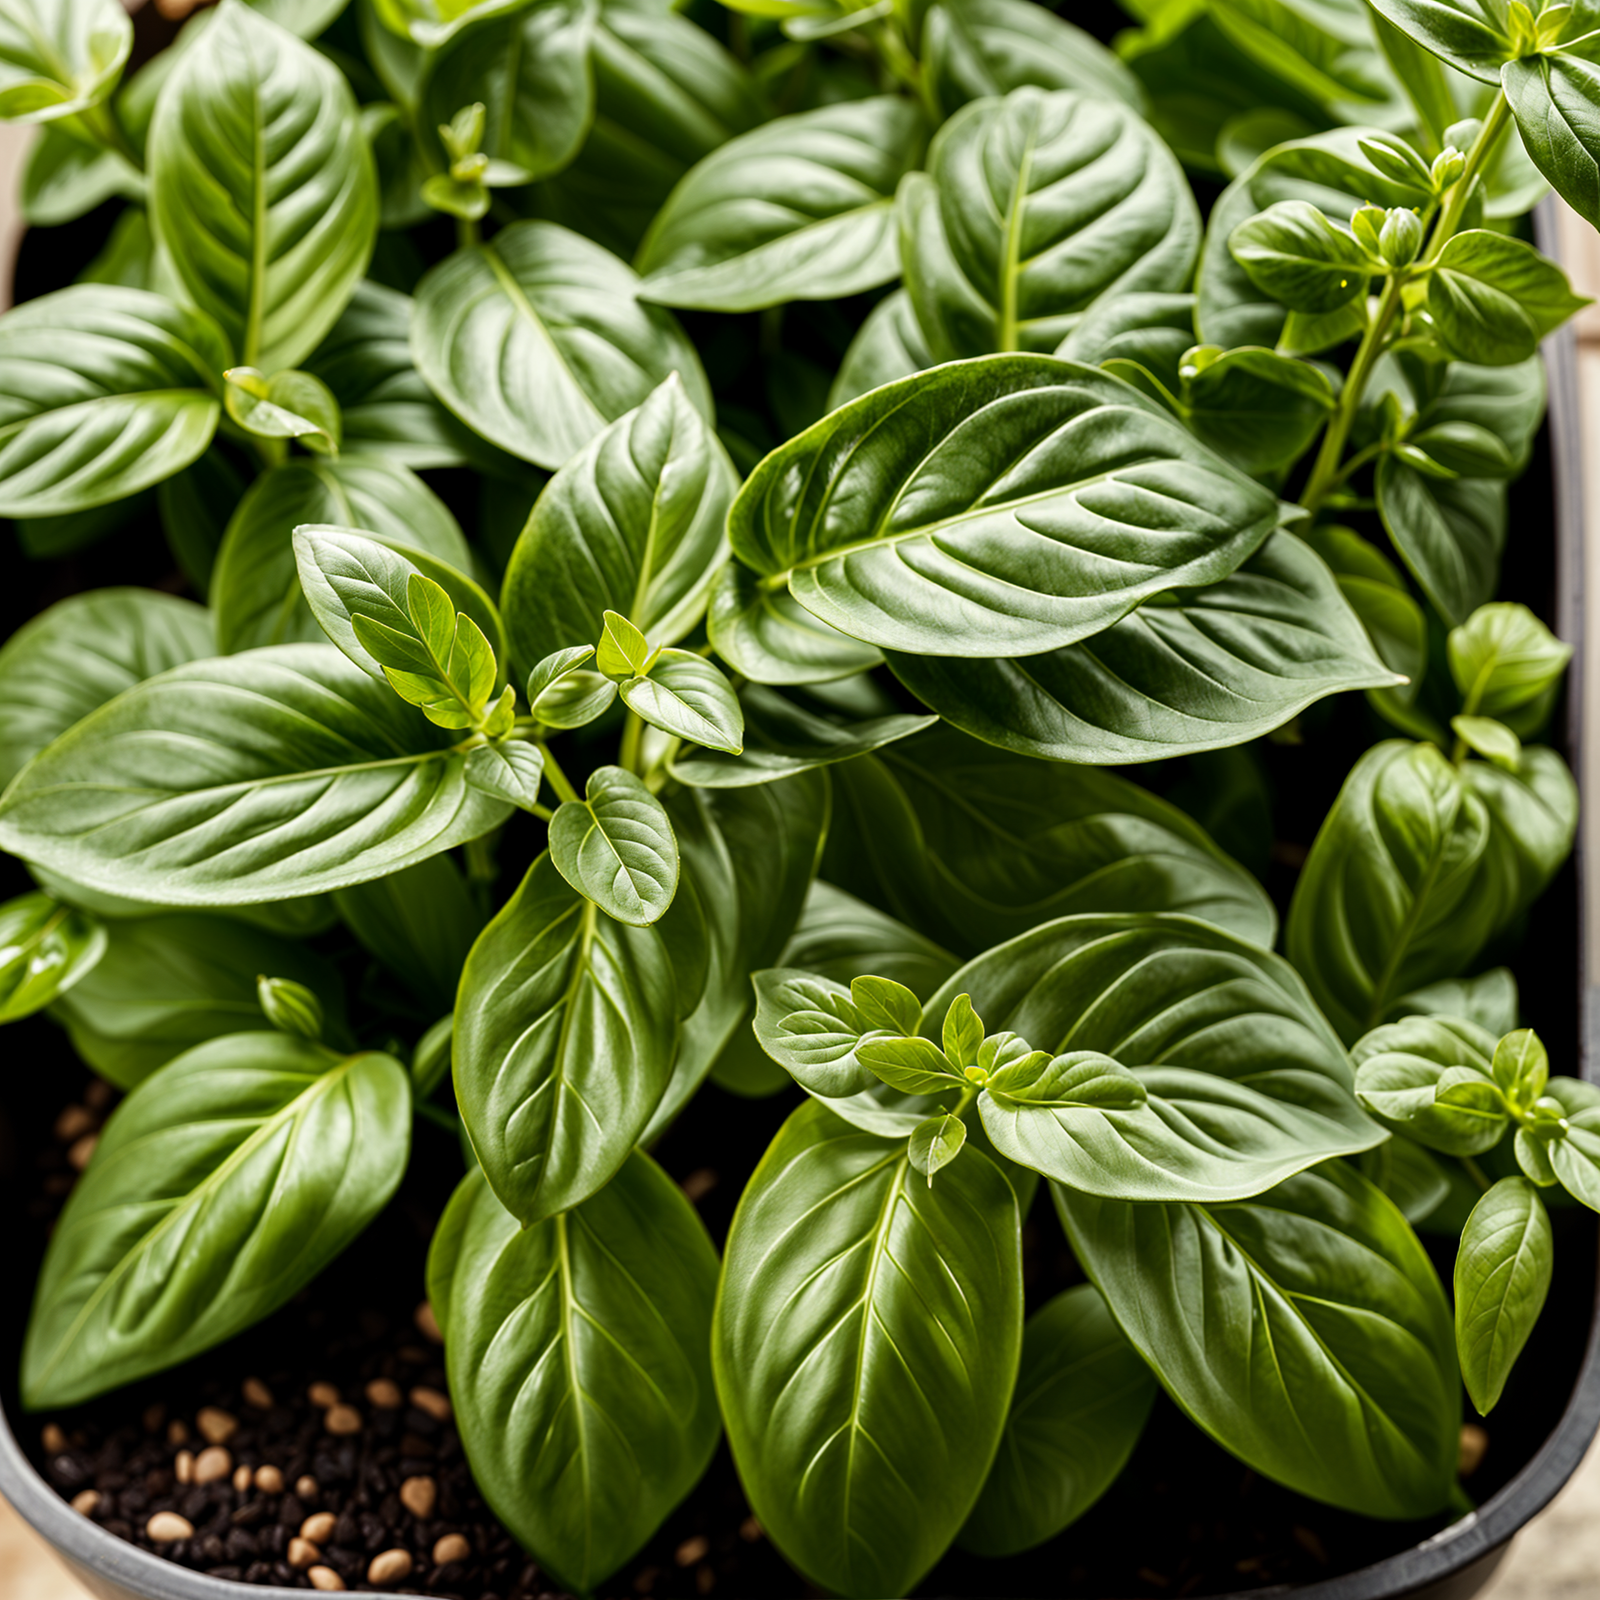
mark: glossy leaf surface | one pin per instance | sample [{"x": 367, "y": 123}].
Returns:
[
  {"x": 616, "y": 847},
  {"x": 60, "y": 56},
  {"x": 1502, "y": 1276},
  {"x": 45, "y": 948}
]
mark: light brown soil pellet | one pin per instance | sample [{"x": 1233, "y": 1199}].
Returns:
[
  {"x": 692, "y": 1550},
  {"x": 750, "y": 1530},
  {"x": 81, "y": 1150},
  {"x": 389, "y": 1566},
  {"x": 431, "y": 1401},
  {"x": 166, "y": 1526},
  {"x": 705, "y": 1580},
  {"x": 256, "y": 1394},
  {"x": 183, "y": 1466},
  {"x": 323, "y": 1394},
  {"x": 217, "y": 1425},
  {"x": 306, "y": 1487},
  {"x": 427, "y": 1323},
  {"x": 318, "y": 1528},
  {"x": 325, "y": 1578},
  {"x": 269, "y": 1480},
  {"x": 177, "y": 1432},
  {"x": 699, "y": 1184},
  {"x": 153, "y": 1417},
  {"x": 342, "y": 1419},
  {"x": 452, "y": 1547},
  {"x": 73, "y": 1123},
  {"x": 302, "y": 1553},
  {"x": 99, "y": 1094},
  {"x": 243, "y": 1477},
  {"x": 52, "y": 1438},
  {"x": 385, "y": 1394},
  {"x": 419, "y": 1496},
  {"x": 1474, "y": 1446},
  {"x": 212, "y": 1463},
  {"x": 85, "y": 1501}
]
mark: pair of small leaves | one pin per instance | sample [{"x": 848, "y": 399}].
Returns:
[
  {"x": 675, "y": 690},
  {"x": 288, "y": 405},
  {"x": 45, "y": 948}
]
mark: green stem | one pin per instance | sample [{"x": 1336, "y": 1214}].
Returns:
[
  {"x": 1476, "y": 1173},
  {"x": 896, "y": 55},
  {"x": 552, "y": 770},
  {"x": 544, "y": 813},
  {"x": 102, "y": 123},
  {"x": 1494, "y": 127},
  {"x": 632, "y": 738},
  {"x": 466, "y": 232},
  {"x": 481, "y": 866}
]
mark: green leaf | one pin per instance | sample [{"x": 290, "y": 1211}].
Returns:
[
  {"x": 433, "y": 23},
  {"x": 782, "y": 738},
  {"x": 685, "y": 695},
  {"x": 218, "y": 1190},
  {"x": 800, "y": 209},
  {"x": 288, "y": 405},
  {"x": 536, "y": 341},
  {"x": 972, "y": 846},
  {"x": 256, "y": 587},
  {"x": 1502, "y": 657},
  {"x": 1417, "y": 1183},
  {"x": 913, "y": 1066},
  {"x": 195, "y": 507},
  {"x": 935, "y": 1143},
  {"x": 262, "y": 188},
  {"x": 616, "y": 847},
  {"x": 1490, "y": 739},
  {"x": 508, "y": 769},
  {"x": 566, "y": 1023},
  {"x": 623, "y": 651},
  {"x": 887, "y": 1003},
  {"x": 632, "y": 523},
  {"x": 1521, "y": 1067},
  {"x": 1323, "y": 48},
  {"x": 868, "y": 1327},
  {"x": 766, "y": 635},
  {"x": 973, "y": 49},
  {"x": 1533, "y": 818},
  {"x": 105, "y": 391},
  {"x": 430, "y": 1066},
  {"x": 1033, "y": 207},
  {"x": 562, "y": 693},
  {"x": 1502, "y": 1276},
  {"x": 1256, "y": 408},
  {"x": 1337, "y": 1374},
  {"x": 1471, "y": 35},
  {"x": 420, "y": 923},
  {"x": 1477, "y": 421},
  {"x": 290, "y": 1007},
  {"x": 1299, "y": 258},
  {"x": 578, "y": 1352},
  {"x": 1493, "y": 298},
  {"x": 84, "y": 651},
  {"x": 1449, "y": 532},
  {"x": 45, "y": 948},
  {"x": 1489, "y": 1000},
  {"x": 812, "y": 1027},
  {"x": 1392, "y": 896},
  {"x": 1207, "y": 668},
  {"x": 64, "y": 177},
  {"x": 1430, "y": 1078},
  {"x": 1015, "y": 503},
  {"x": 1081, "y": 1401},
  {"x": 888, "y": 345},
  {"x": 60, "y": 56},
  {"x": 256, "y": 777},
  {"x": 1554, "y": 99}
]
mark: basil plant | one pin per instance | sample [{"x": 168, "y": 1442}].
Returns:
[{"x": 677, "y": 512}]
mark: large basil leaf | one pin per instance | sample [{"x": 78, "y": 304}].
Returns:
[
  {"x": 218, "y": 1190},
  {"x": 1324, "y": 48},
  {"x": 1033, "y": 207},
  {"x": 1493, "y": 298},
  {"x": 566, "y": 1026},
  {"x": 168, "y": 983},
  {"x": 616, "y": 847},
  {"x": 1448, "y": 531},
  {"x": 1305, "y": 1330},
  {"x": 261, "y": 776},
  {"x": 1471, "y": 36},
  {"x": 536, "y": 341},
  {"x": 45, "y": 948},
  {"x": 1195, "y": 670},
  {"x": 60, "y": 56},
  {"x": 579, "y": 1360},
  {"x": 255, "y": 587},
  {"x": 262, "y": 188},
  {"x": 766, "y": 635},
  {"x": 801, "y": 209},
  {"x": 887, "y": 346},
  {"x": 1533, "y": 818},
  {"x": 1554, "y": 98},
  {"x": 633, "y": 523},
  {"x": 1015, "y": 503},
  {"x": 973, "y": 846},
  {"x": 1502, "y": 1275},
  {"x": 103, "y": 391},
  {"x": 865, "y": 1346},
  {"x": 65, "y": 177},
  {"x": 1082, "y": 1397},
  {"x": 84, "y": 651},
  {"x": 976, "y": 48},
  {"x": 1391, "y": 896}
]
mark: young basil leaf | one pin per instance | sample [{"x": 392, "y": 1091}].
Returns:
[
  {"x": 509, "y": 769},
  {"x": 430, "y": 1064},
  {"x": 973, "y": 846},
  {"x": 579, "y": 1361},
  {"x": 170, "y": 982},
  {"x": 290, "y": 1008},
  {"x": 1039, "y": 167},
  {"x": 1254, "y": 407},
  {"x": 896, "y": 1473},
  {"x": 1340, "y": 1382},
  {"x": 106, "y": 391},
  {"x": 1449, "y": 533},
  {"x": 887, "y": 1004},
  {"x": 563, "y": 694},
  {"x": 623, "y": 651},
  {"x": 288, "y": 405},
  {"x": 913, "y": 1066},
  {"x": 264, "y": 776},
  {"x": 935, "y": 1143},
  {"x": 1553, "y": 97},
  {"x": 766, "y": 635},
  {"x": 632, "y": 523},
  {"x": 1570, "y": 1155},
  {"x": 420, "y": 923},
  {"x": 536, "y": 341},
  {"x": 888, "y": 345},
  {"x": 84, "y": 651},
  {"x": 886, "y": 529},
  {"x": 1081, "y": 1401},
  {"x": 58, "y": 57},
  {"x": 813, "y": 1028},
  {"x": 269, "y": 234},
  {"x": 274, "y": 1150},
  {"x": 800, "y": 209},
  {"x": 1502, "y": 1276},
  {"x": 962, "y": 1032},
  {"x": 1490, "y": 739},
  {"x": 1301, "y": 259},
  {"x": 1488, "y": 1000},
  {"x": 782, "y": 738},
  {"x": 616, "y": 847},
  {"x": 1533, "y": 819},
  {"x": 684, "y": 694},
  {"x": 1468, "y": 34},
  {"x": 1431, "y": 1079},
  {"x": 1199, "y": 670},
  {"x": 256, "y": 588},
  {"x": 1493, "y": 298},
  {"x": 566, "y": 1023},
  {"x": 45, "y": 948},
  {"x": 1392, "y": 894},
  {"x": 1502, "y": 657}
]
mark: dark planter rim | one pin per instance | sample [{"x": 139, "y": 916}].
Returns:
[{"x": 1478, "y": 1540}]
